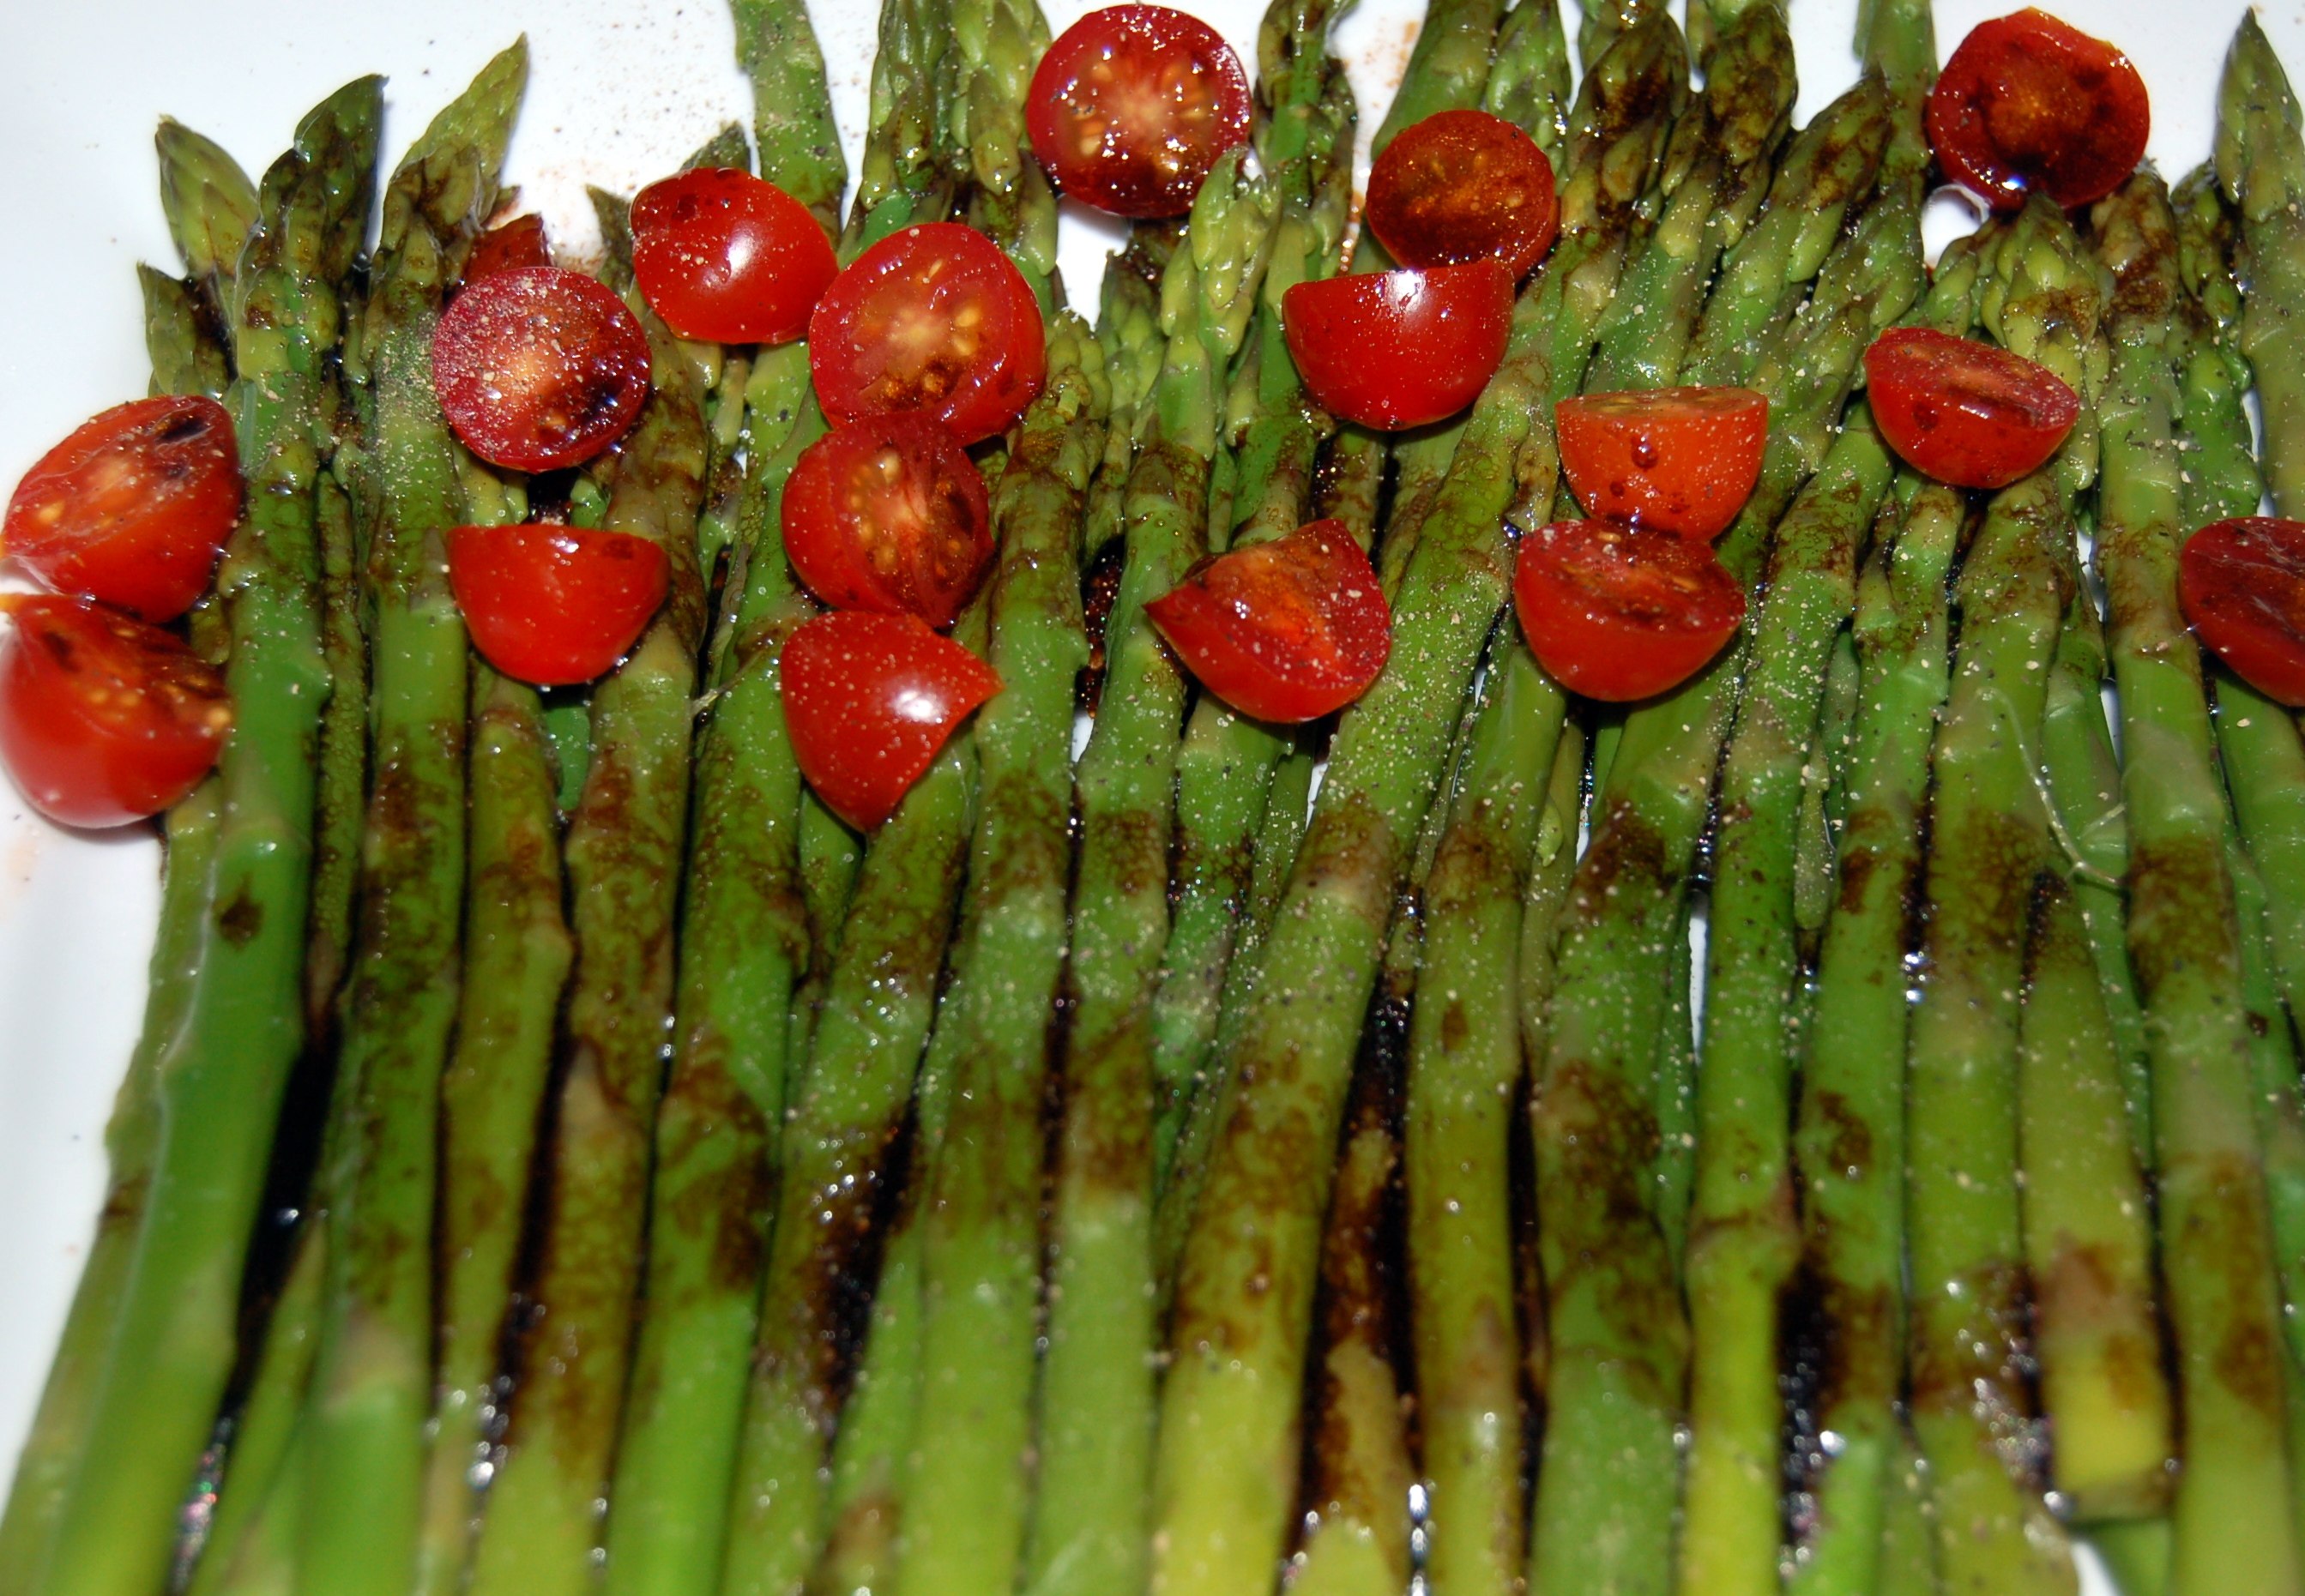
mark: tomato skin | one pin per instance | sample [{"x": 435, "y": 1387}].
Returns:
[
  {"x": 1680, "y": 460},
  {"x": 869, "y": 699},
  {"x": 887, "y": 336},
  {"x": 889, "y": 515},
  {"x": 1285, "y": 631},
  {"x": 513, "y": 246},
  {"x": 2029, "y": 102},
  {"x": 1461, "y": 186},
  {"x": 1966, "y": 412},
  {"x": 1392, "y": 350},
  {"x": 728, "y": 258},
  {"x": 554, "y": 605},
  {"x": 1099, "y": 120},
  {"x": 103, "y": 719},
  {"x": 1621, "y": 613},
  {"x": 2241, "y": 584},
  {"x": 538, "y": 368},
  {"x": 132, "y": 508}
]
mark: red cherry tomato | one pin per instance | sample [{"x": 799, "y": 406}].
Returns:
[
  {"x": 889, "y": 515},
  {"x": 1286, "y": 631},
  {"x": 1133, "y": 105},
  {"x": 726, "y": 256},
  {"x": 1399, "y": 349},
  {"x": 132, "y": 508},
  {"x": 540, "y": 368},
  {"x": 554, "y": 605},
  {"x": 1623, "y": 613},
  {"x": 933, "y": 319},
  {"x": 516, "y": 246},
  {"x": 2242, "y": 586},
  {"x": 1464, "y": 186},
  {"x": 869, "y": 699},
  {"x": 103, "y": 719},
  {"x": 2027, "y": 102},
  {"x": 1966, "y": 412},
  {"x": 1680, "y": 460}
]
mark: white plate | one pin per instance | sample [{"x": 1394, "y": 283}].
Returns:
[{"x": 619, "y": 93}]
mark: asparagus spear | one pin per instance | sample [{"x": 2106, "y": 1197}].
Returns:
[
  {"x": 1229, "y": 1409},
  {"x": 222, "y": 1072},
  {"x": 2234, "y": 1528},
  {"x": 2260, "y": 158},
  {"x": 902, "y": 176}
]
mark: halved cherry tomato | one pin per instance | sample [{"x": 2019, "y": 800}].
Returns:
[
  {"x": 724, "y": 256},
  {"x": 540, "y": 368},
  {"x": 1286, "y": 631},
  {"x": 515, "y": 246},
  {"x": 554, "y": 605},
  {"x": 1623, "y": 613},
  {"x": 935, "y": 319},
  {"x": 2029, "y": 102},
  {"x": 889, "y": 515},
  {"x": 1464, "y": 186},
  {"x": 2242, "y": 586},
  {"x": 132, "y": 508},
  {"x": 1399, "y": 349},
  {"x": 1966, "y": 412},
  {"x": 869, "y": 699},
  {"x": 103, "y": 719},
  {"x": 1132, "y": 107},
  {"x": 1680, "y": 460}
]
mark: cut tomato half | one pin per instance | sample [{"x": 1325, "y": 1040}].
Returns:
[
  {"x": 889, "y": 515},
  {"x": 1461, "y": 186},
  {"x": 869, "y": 699},
  {"x": 1621, "y": 614},
  {"x": 1680, "y": 460},
  {"x": 2031, "y": 104},
  {"x": 2242, "y": 586},
  {"x": 1286, "y": 630},
  {"x": 1392, "y": 350},
  {"x": 555, "y": 605},
  {"x": 1966, "y": 412},
  {"x": 538, "y": 367},
  {"x": 728, "y": 257},
  {"x": 1133, "y": 105}
]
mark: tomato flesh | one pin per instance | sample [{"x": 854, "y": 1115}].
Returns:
[
  {"x": 2242, "y": 586},
  {"x": 1621, "y": 614},
  {"x": 2028, "y": 103},
  {"x": 1966, "y": 412},
  {"x": 1133, "y": 105},
  {"x": 933, "y": 319},
  {"x": 889, "y": 515},
  {"x": 103, "y": 718},
  {"x": 1680, "y": 460},
  {"x": 513, "y": 246},
  {"x": 869, "y": 699},
  {"x": 726, "y": 257},
  {"x": 134, "y": 508},
  {"x": 538, "y": 369},
  {"x": 1461, "y": 186},
  {"x": 1391, "y": 350},
  {"x": 555, "y": 605},
  {"x": 1286, "y": 630}
]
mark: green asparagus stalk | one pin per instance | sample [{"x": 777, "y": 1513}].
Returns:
[
  {"x": 2233, "y": 1523},
  {"x": 2260, "y": 158},
  {"x": 903, "y": 176},
  {"x": 223, "y": 1070},
  {"x": 211, "y": 205}
]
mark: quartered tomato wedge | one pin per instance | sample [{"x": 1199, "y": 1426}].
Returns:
[
  {"x": 1966, "y": 412},
  {"x": 555, "y": 605},
  {"x": 1464, "y": 186},
  {"x": 103, "y": 719},
  {"x": 1621, "y": 613},
  {"x": 2242, "y": 586},
  {"x": 515, "y": 246},
  {"x": 889, "y": 515},
  {"x": 2028, "y": 103},
  {"x": 935, "y": 319},
  {"x": 132, "y": 508},
  {"x": 1680, "y": 460},
  {"x": 538, "y": 368},
  {"x": 1286, "y": 630},
  {"x": 1391, "y": 350},
  {"x": 1132, "y": 107},
  {"x": 726, "y": 257},
  {"x": 869, "y": 699}
]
